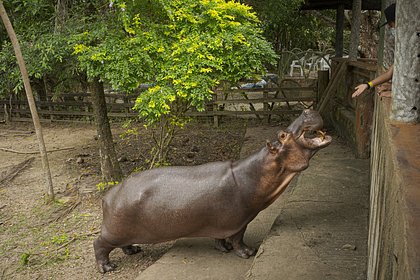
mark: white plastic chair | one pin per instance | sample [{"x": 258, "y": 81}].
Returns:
[
  {"x": 296, "y": 64},
  {"x": 312, "y": 63},
  {"x": 325, "y": 62}
]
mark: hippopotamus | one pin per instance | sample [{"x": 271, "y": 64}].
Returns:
[{"x": 215, "y": 200}]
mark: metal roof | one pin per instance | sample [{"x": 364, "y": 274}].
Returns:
[{"x": 333, "y": 4}]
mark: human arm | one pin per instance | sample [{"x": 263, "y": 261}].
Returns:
[{"x": 385, "y": 77}]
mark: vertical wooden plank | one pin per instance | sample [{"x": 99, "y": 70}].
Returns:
[
  {"x": 322, "y": 83},
  {"x": 50, "y": 107},
  {"x": 332, "y": 86},
  {"x": 265, "y": 105},
  {"x": 363, "y": 124}
]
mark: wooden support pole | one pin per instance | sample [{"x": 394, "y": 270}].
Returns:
[{"x": 339, "y": 30}]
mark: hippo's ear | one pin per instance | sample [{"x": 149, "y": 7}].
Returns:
[{"x": 270, "y": 147}]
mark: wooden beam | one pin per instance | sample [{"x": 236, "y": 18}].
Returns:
[
  {"x": 235, "y": 113},
  {"x": 264, "y": 100}
]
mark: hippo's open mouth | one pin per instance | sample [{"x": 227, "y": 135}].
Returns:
[
  {"x": 309, "y": 120},
  {"x": 320, "y": 141}
]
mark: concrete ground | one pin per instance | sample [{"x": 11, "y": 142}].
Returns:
[{"x": 317, "y": 229}]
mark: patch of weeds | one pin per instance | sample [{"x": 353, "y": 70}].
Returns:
[
  {"x": 138, "y": 169},
  {"x": 60, "y": 239},
  {"x": 104, "y": 186},
  {"x": 24, "y": 258},
  {"x": 129, "y": 132},
  {"x": 158, "y": 164}
]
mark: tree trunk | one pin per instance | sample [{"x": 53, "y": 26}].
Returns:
[
  {"x": 389, "y": 41},
  {"x": 60, "y": 15},
  {"x": 110, "y": 167},
  {"x": 369, "y": 35},
  {"x": 355, "y": 29},
  {"x": 31, "y": 101},
  {"x": 405, "y": 82}
]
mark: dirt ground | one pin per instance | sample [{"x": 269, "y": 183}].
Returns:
[{"x": 39, "y": 241}]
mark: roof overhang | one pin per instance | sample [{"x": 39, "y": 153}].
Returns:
[{"x": 333, "y": 4}]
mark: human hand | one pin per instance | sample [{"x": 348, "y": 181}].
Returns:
[
  {"x": 359, "y": 90},
  {"x": 384, "y": 90},
  {"x": 385, "y": 94},
  {"x": 384, "y": 87}
]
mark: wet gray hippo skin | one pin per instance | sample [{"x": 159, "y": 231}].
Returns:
[
  {"x": 308, "y": 120},
  {"x": 215, "y": 200}
]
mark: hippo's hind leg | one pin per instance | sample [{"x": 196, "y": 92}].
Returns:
[
  {"x": 223, "y": 245},
  {"x": 131, "y": 250},
  {"x": 102, "y": 250},
  {"x": 239, "y": 247}
]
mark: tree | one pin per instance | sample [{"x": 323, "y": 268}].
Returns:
[
  {"x": 97, "y": 19},
  {"x": 31, "y": 101},
  {"x": 405, "y": 82}
]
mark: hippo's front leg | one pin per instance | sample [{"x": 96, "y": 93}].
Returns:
[{"x": 239, "y": 247}]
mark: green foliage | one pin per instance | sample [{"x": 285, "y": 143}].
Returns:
[
  {"x": 60, "y": 239},
  {"x": 288, "y": 27},
  {"x": 44, "y": 51},
  {"x": 24, "y": 258}
]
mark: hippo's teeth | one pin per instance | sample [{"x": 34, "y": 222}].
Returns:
[
  {"x": 302, "y": 134},
  {"x": 321, "y": 134}
]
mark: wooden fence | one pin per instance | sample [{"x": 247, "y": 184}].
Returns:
[{"x": 262, "y": 102}]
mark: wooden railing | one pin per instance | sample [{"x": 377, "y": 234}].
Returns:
[{"x": 261, "y": 102}]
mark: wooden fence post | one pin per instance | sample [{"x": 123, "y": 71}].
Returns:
[
  {"x": 265, "y": 105},
  {"x": 215, "y": 108}
]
